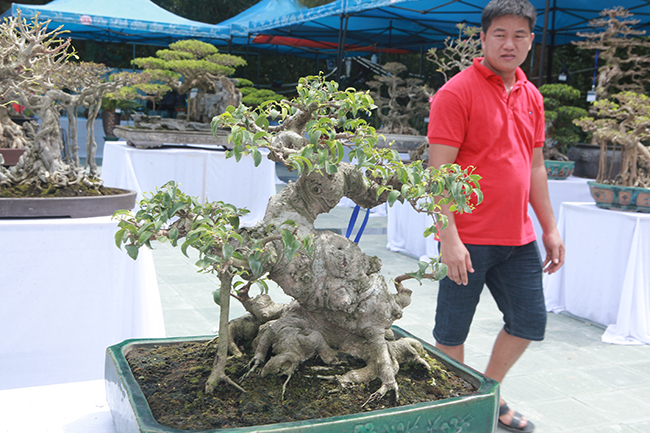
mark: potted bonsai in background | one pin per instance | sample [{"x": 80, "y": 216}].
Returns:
[
  {"x": 189, "y": 67},
  {"x": 622, "y": 50},
  {"x": 624, "y": 120},
  {"x": 561, "y": 133},
  {"x": 36, "y": 72},
  {"x": 254, "y": 97},
  {"x": 342, "y": 306},
  {"x": 457, "y": 55}
]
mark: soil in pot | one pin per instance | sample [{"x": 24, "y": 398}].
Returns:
[
  {"x": 32, "y": 191},
  {"x": 172, "y": 378}
]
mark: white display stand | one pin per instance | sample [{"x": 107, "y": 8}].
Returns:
[
  {"x": 406, "y": 227},
  {"x": 67, "y": 294},
  {"x": 78, "y": 407},
  {"x": 606, "y": 274},
  {"x": 202, "y": 173}
]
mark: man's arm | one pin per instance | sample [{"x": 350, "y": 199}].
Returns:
[
  {"x": 541, "y": 203},
  {"x": 453, "y": 252}
]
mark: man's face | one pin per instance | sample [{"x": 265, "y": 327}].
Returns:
[{"x": 506, "y": 44}]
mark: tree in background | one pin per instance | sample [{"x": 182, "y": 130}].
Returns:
[{"x": 193, "y": 64}]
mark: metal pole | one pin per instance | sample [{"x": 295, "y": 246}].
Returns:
[
  {"x": 341, "y": 49},
  {"x": 542, "y": 54}
]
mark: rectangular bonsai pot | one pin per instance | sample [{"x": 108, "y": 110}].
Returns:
[{"x": 473, "y": 413}]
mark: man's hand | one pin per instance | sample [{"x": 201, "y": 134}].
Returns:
[
  {"x": 454, "y": 254},
  {"x": 554, "y": 252}
]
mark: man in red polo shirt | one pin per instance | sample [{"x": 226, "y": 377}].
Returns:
[{"x": 491, "y": 117}]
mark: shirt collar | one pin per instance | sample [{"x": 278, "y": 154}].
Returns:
[{"x": 487, "y": 73}]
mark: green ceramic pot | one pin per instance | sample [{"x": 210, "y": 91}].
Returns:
[
  {"x": 620, "y": 197},
  {"x": 472, "y": 413},
  {"x": 559, "y": 170}
]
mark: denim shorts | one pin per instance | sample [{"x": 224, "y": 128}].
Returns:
[{"x": 514, "y": 277}]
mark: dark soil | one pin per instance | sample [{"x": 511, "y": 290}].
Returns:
[
  {"x": 173, "y": 379},
  {"x": 46, "y": 191}
]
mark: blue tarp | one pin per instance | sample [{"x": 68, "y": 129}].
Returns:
[
  {"x": 416, "y": 25},
  {"x": 129, "y": 21}
]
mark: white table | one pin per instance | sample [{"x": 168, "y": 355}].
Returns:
[
  {"x": 405, "y": 226},
  {"x": 606, "y": 275},
  {"x": 202, "y": 173},
  {"x": 67, "y": 293},
  {"x": 77, "y": 407}
]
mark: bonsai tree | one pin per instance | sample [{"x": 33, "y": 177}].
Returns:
[
  {"x": 30, "y": 53},
  {"x": 458, "y": 53},
  {"x": 398, "y": 99},
  {"x": 87, "y": 84},
  {"x": 622, "y": 49},
  {"x": 255, "y": 97},
  {"x": 342, "y": 304},
  {"x": 623, "y": 120},
  {"x": 561, "y": 132},
  {"x": 192, "y": 64}
]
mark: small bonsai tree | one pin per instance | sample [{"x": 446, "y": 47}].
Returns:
[
  {"x": 399, "y": 100},
  {"x": 622, "y": 49},
  {"x": 192, "y": 64},
  {"x": 561, "y": 132},
  {"x": 253, "y": 97},
  {"x": 341, "y": 302},
  {"x": 30, "y": 54},
  {"x": 458, "y": 53},
  {"x": 624, "y": 120}
]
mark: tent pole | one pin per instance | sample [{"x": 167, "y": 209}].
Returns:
[
  {"x": 421, "y": 60},
  {"x": 133, "y": 64},
  {"x": 542, "y": 54},
  {"x": 342, "y": 31}
]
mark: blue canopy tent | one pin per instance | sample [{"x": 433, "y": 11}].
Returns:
[
  {"x": 120, "y": 21},
  {"x": 418, "y": 25}
]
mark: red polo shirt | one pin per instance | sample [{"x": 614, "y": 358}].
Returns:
[{"x": 496, "y": 133}]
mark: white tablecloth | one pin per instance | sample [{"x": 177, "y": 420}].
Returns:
[
  {"x": 202, "y": 173},
  {"x": 405, "y": 226},
  {"x": 606, "y": 275},
  {"x": 67, "y": 293},
  {"x": 78, "y": 407}
]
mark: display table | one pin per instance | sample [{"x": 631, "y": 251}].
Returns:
[
  {"x": 202, "y": 173},
  {"x": 606, "y": 276},
  {"x": 405, "y": 226},
  {"x": 78, "y": 407},
  {"x": 67, "y": 294}
]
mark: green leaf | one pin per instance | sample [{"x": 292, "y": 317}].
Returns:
[
  {"x": 392, "y": 197},
  {"x": 119, "y": 237},
  {"x": 255, "y": 263},
  {"x": 257, "y": 157},
  {"x": 132, "y": 251},
  {"x": 216, "y": 296},
  {"x": 330, "y": 168},
  {"x": 441, "y": 271},
  {"x": 264, "y": 288},
  {"x": 227, "y": 251}
]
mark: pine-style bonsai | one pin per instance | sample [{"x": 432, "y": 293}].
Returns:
[
  {"x": 560, "y": 112},
  {"x": 192, "y": 64},
  {"x": 342, "y": 305}
]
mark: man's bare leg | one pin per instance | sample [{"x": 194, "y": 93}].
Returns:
[
  {"x": 456, "y": 352},
  {"x": 506, "y": 351}
]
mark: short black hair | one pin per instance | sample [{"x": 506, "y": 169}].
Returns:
[{"x": 500, "y": 8}]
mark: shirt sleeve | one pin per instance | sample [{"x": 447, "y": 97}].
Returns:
[{"x": 448, "y": 119}]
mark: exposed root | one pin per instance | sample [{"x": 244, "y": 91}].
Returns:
[{"x": 216, "y": 379}]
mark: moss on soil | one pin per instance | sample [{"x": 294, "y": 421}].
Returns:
[
  {"x": 173, "y": 378},
  {"x": 46, "y": 191}
]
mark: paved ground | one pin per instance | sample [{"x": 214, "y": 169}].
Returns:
[{"x": 571, "y": 382}]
